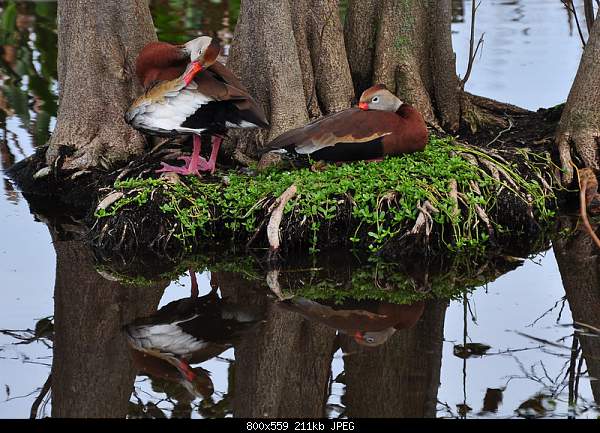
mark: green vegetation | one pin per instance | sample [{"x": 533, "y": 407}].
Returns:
[
  {"x": 373, "y": 202},
  {"x": 342, "y": 278}
]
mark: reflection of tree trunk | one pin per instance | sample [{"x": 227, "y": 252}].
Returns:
[
  {"x": 401, "y": 377},
  {"x": 282, "y": 368},
  {"x": 92, "y": 370},
  {"x": 579, "y": 266}
]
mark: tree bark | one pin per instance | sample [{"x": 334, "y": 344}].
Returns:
[
  {"x": 283, "y": 367},
  {"x": 291, "y": 56},
  {"x": 406, "y": 45},
  {"x": 92, "y": 369},
  {"x": 578, "y": 131},
  {"x": 579, "y": 266},
  {"x": 97, "y": 46},
  {"x": 400, "y": 378}
]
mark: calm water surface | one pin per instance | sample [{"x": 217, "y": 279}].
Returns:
[{"x": 278, "y": 358}]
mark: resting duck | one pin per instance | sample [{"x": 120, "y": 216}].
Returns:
[
  {"x": 187, "y": 91},
  {"x": 381, "y": 125},
  {"x": 371, "y": 323}
]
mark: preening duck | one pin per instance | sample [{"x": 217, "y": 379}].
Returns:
[
  {"x": 192, "y": 329},
  {"x": 187, "y": 91},
  {"x": 381, "y": 125}
]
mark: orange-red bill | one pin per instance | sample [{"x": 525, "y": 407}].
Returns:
[
  {"x": 191, "y": 71},
  {"x": 363, "y": 106},
  {"x": 186, "y": 370}
]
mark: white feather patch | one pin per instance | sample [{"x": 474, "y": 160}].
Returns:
[
  {"x": 169, "y": 113},
  {"x": 242, "y": 124},
  {"x": 166, "y": 338}
]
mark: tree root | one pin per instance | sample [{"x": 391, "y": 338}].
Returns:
[
  {"x": 275, "y": 219},
  {"x": 424, "y": 223},
  {"x": 585, "y": 143},
  {"x": 588, "y": 193}
]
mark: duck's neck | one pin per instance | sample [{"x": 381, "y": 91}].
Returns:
[{"x": 406, "y": 111}]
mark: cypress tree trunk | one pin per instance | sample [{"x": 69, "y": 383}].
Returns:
[
  {"x": 291, "y": 56},
  {"x": 98, "y": 42},
  {"x": 92, "y": 368},
  {"x": 406, "y": 45},
  {"x": 578, "y": 132},
  {"x": 579, "y": 265}
]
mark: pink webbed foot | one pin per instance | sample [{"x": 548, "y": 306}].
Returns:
[
  {"x": 185, "y": 170},
  {"x": 193, "y": 162}
]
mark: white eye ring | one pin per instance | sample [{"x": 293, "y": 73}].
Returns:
[{"x": 375, "y": 100}]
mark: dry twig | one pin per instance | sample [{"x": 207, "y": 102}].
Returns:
[{"x": 472, "y": 48}]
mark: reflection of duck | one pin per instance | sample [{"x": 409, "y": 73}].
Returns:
[
  {"x": 371, "y": 323},
  {"x": 189, "y": 330},
  {"x": 196, "y": 380}
]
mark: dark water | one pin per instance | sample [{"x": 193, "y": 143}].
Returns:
[{"x": 298, "y": 356}]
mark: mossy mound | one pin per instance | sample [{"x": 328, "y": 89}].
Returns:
[{"x": 450, "y": 196}]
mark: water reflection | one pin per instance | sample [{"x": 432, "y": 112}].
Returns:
[
  {"x": 92, "y": 370},
  {"x": 287, "y": 322},
  {"x": 579, "y": 263}
]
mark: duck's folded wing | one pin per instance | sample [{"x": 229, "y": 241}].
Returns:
[
  {"x": 348, "y": 127},
  {"x": 220, "y": 84}
]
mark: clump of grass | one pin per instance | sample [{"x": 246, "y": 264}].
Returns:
[{"x": 370, "y": 203}]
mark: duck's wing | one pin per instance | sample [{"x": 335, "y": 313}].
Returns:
[
  {"x": 350, "y": 134},
  {"x": 220, "y": 85}
]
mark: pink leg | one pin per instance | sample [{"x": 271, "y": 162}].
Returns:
[
  {"x": 192, "y": 163},
  {"x": 194, "y": 293},
  {"x": 210, "y": 165}
]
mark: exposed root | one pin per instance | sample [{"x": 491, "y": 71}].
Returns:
[
  {"x": 424, "y": 223},
  {"x": 454, "y": 196},
  {"x": 275, "y": 219},
  {"x": 588, "y": 190},
  {"x": 585, "y": 143}
]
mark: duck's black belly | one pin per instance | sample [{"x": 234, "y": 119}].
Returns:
[
  {"x": 351, "y": 151},
  {"x": 215, "y": 117}
]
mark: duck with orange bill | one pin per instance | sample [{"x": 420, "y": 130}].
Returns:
[
  {"x": 189, "y": 92},
  {"x": 381, "y": 125},
  {"x": 370, "y": 323},
  {"x": 190, "y": 330}
]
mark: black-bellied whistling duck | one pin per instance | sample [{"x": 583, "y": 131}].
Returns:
[
  {"x": 187, "y": 91},
  {"x": 195, "y": 380},
  {"x": 381, "y": 125},
  {"x": 371, "y": 323},
  {"x": 191, "y": 329}
]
